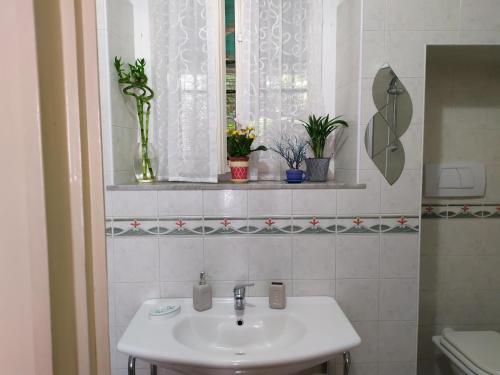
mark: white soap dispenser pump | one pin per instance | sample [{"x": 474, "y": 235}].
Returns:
[{"x": 202, "y": 294}]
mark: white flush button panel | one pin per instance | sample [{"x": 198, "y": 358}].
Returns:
[{"x": 461, "y": 179}]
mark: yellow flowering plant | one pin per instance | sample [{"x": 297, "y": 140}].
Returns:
[{"x": 239, "y": 142}]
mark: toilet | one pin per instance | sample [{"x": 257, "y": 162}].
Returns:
[{"x": 471, "y": 352}]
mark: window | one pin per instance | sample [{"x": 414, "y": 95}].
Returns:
[
  {"x": 214, "y": 61},
  {"x": 230, "y": 62}
]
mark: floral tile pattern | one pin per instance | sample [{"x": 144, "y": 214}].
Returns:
[
  {"x": 433, "y": 211},
  {"x": 464, "y": 211},
  {"x": 180, "y": 226},
  {"x": 461, "y": 211},
  {"x": 355, "y": 225},
  {"x": 134, "y": 227},
  {"x": 314, "y": 224},
  {"x": 270, "y": 225},
  {"x": 399, "y": 224},
  {"x": 225, "y": 225},
  {"x": 195, "y": 226}
]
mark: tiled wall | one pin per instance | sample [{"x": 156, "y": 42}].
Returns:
[
  {"x": 397, "y": 32},
  {"x": 460, "y": 253},
  {"x": 374, "y": 275},
  {"x": 115, "y": 32},
  {"x": 320, "y": 242},
  {"x": 347, "y": 84}
]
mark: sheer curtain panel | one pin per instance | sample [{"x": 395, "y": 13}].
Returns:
[
  {"x": 280, "y": 72},
  {"x": 184, "y": 52}
]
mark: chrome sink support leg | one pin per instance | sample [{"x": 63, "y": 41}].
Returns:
[
  {"x": 154, "y": 369},
  {"x": 347, "y": 362},
  {"x": 131, "y": 365}
]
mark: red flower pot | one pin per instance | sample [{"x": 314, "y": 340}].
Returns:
[{"x": 239, "y": 168}]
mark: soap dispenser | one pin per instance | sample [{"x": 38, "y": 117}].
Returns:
[{"x": 202, "y": 294}]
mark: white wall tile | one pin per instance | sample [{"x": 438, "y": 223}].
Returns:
[
  {"x": 261, "y": 288},
  {"x": 269, "y": 202},
  {"x": 177, "y": 289},
  {"x": 227, "y": 203},
  {"x": 368, "y": 350},
  {"x": 124, "y": 149},
  {"x": 479, "y": 36},
  {"x": 412, "y": 143},
  {"x": 315, "y": 202},
  {"x": 358, "y": 298},
  {"x": 270, "y": 258},
  {"x": 357, "y": 256},
  {"x": 226, "y": 258},
  {"x": 118, "y": 359},
  {"x": 397, "y": 368},
  {"x": 135, "y": 259},
  {"x": 179, "y": 203},
  {"x": 404, "y": 196},
  {"x": 362, "y": 201},
  {"x": 225, "y": 288},
  {"x": 313, "y": 287},
  {"x": 454, "y": 237},
  {"x": 364, "y": 369},
  {"x": 423, "y": 14},
  {"x": 374, "y": 14},
  {"x": 406, "y": 49},
  {"x": 135, "y": 204},
  {"x": 399, "y": 255},
  {"x": 398, "y": 299},
  {"x": 373, "y": 52},
  {"x": 480, "y": 15},
  {"x": 398, "y": 341},
  {"x": 313, "y": 257},
  {"x": 128, "y": 298},
  {"x": 415, "y": 87},
  {"x": 181, "y": 258}
]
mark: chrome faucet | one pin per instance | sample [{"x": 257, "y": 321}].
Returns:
[{"x": 239, "y": 296}]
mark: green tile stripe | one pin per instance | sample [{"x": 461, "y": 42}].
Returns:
[
  {"x": 262, "y": 225},
  {"x": 461, "y": 211}
]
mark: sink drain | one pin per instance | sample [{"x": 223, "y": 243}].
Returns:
[{"x": 239, "y": 353}]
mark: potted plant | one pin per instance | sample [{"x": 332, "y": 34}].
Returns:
[
  {"x": 239, "y": 143},
  {"x": 135, "y": 85},
  {"x": 318, "y": 129},
  {"x": 293, "y": 150}
]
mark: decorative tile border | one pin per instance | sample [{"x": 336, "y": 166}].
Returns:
[
  {"x": 461, "y": 211},
  {"x": 262, "y": 225}
]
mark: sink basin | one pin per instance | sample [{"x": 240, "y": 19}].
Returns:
[{"x": 261, "y": 340}]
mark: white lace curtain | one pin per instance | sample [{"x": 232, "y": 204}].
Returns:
[
  {"x": 184, "y": 76},
  {"x": 281, "y": 72}
]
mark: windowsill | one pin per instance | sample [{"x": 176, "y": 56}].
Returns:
[{"x": 252, "y": 185}]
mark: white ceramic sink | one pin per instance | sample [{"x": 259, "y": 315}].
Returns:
[{"x": 309, "y": 331}]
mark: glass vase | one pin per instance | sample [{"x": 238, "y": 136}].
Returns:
[{"x": 145, "y": 163}]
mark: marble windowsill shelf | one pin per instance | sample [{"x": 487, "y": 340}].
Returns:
[{"x": 256, "y": 185}]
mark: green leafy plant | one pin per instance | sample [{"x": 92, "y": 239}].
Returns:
[
  {"x": 135, "y": 82},
  {"x": 318, "y": 129},
  {"x": 239, "y": 142}
]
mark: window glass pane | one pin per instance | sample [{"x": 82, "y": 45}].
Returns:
[{"x": 230, "y": 63}]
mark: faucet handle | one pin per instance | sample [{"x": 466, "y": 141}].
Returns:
[
  {"x": 239, "y": 290},
  {"x": 242, "y": 286}
]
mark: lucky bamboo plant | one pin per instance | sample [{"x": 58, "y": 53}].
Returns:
[{"x": 134, "y": 82}]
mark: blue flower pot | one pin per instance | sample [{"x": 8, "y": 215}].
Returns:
[{"x": 295, "y": 176}]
